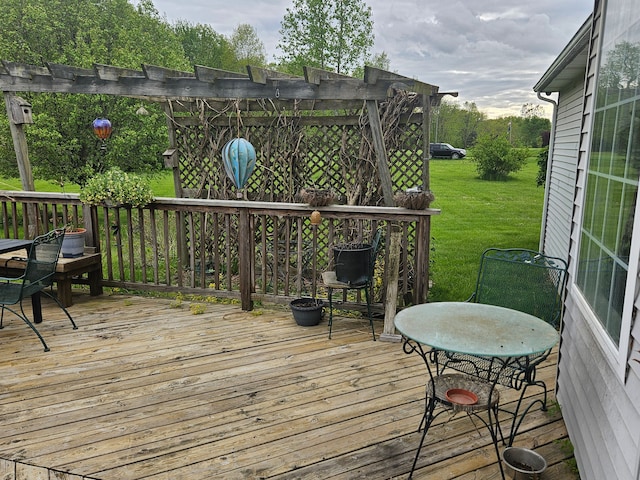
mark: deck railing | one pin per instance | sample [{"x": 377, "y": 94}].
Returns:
[{"x": 252, "y": 251}]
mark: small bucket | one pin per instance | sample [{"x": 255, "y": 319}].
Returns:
[{"x": 523, "y": 464}]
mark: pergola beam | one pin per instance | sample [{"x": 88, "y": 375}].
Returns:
[{"x": 159, "y": 83}]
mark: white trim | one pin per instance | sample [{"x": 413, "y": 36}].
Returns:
[
  {"x": 629, "y": 294},
  {"x": 609, "y": 349}
]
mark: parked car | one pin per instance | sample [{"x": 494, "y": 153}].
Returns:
[{"x": 445, "y": 150}]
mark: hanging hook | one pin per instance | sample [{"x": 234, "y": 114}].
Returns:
[{"x": 238, "y": 118}]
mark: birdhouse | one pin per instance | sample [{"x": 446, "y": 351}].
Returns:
[
  {"x": 170, "y": 158},
  {"x": 20, "y": 111}
]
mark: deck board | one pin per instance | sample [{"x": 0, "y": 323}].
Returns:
[{"x": 146, "y": 390}]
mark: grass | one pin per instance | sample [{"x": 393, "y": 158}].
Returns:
[
  {"x": 161, "y": 184},
  {"x": 478, "y": 214}
]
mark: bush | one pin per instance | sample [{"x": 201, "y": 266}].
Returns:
[
  {"x": 495, "y": 158},
  {"x": 543, "y": 156},
  {"x": 117, "y": 188}
]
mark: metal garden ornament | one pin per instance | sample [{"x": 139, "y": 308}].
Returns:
[
  {"x": 239, "y": 159},
  {"x": 102, "y": 129}
]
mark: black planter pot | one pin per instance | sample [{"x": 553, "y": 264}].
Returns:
[
  {"x": 307, "y": 312},
  {"x": 352, "y": 262}
]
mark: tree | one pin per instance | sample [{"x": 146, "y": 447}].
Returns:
[
  {"x": 204, "y": 46},
  {"x": 247, "y": 46},
  {"x": 62, "y": 145},
  {"x": 470, "y": 121},
  {"x": 329, "y": 34}
]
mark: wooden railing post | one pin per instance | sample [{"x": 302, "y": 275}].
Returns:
[
  {"x": 423, "y": 240},
  {"x": 245, "y": 258},
  {"x": 393, "y": 270}
]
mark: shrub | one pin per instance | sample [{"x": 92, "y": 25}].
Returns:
[
  {"x": 495, "y": 158},
  {"x": 543, "y": 156},
  {"x": 117, "y": 188}
]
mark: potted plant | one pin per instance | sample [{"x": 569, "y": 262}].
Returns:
[
  {"x": 317, "y": 197},
  {"x": 115, "y": 188},
  {"x": 352, "y": 262},
  {"x": 73, "y": 242},
  {"x": 307, "y": 312},
  {"x": 414, "y": 198}
]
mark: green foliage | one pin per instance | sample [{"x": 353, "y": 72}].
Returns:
[
  {"x": 543, "y": 157},
  {"x": 116, "y": 187},
  {"x": 247, "y": 47},
  {"x": 328, "y": 34},
  {"x": 203, "y": 46},
  {"x": 455, "y": 124},
  {"x": 62, "y": 146},
  {"x": 495, "y": 158}
]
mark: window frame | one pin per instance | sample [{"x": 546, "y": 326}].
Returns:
[{"x": 616, "y": 354}]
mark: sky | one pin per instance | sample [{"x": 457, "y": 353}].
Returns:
[{"x": 492, "y": 52}]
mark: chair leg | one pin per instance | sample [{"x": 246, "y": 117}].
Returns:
[
  {"x": 330, "y": 293},
  {"x": 55, "y": 298},
  {"x": 366, "y": 294},
  {"x": 493, "y": 430},
  {"x": 30, "y": 325},
  {"x": 515, "y": 426}
]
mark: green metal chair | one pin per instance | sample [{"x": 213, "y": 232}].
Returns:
[
  {"x": 523, "y": 280},
  {"x": 331, "y": 282},
  {"x": 38, "y": 275}
]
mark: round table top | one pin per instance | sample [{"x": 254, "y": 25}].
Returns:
[{"x": 476, "y": 329}]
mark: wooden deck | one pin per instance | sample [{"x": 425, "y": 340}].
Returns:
[{"x": 147, "y": 390}]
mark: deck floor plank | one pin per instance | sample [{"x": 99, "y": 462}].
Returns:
[{"x": 147, "y": 390}]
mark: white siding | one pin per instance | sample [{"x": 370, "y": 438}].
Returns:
[
  {"x": 562, "y": 181},
  {"x": 600, "y": 410}
]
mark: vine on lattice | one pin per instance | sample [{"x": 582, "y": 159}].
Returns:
[{"x": 297, "y": 148}]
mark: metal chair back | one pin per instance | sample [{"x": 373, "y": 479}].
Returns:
[
  {"x": 522, "y": 280},
  {"x": 42, "y": 262}
]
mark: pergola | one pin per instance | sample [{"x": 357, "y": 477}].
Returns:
[{"x": 261, "y": 90}]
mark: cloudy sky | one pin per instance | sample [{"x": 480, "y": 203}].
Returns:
[{"x": 491, "y": 52}]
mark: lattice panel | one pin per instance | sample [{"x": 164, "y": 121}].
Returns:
[
  {"x": 296, "y": 149},
  {"x": 405, "y": 170}
]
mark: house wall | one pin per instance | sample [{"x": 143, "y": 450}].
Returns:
[
  {"x": 557, "y": 234},
  {"x": 599, "y": 408}
]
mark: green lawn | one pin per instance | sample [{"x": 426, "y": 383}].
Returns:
[
  {"x": 161, "y": 183},
  {"x": 478, "y": 214}
]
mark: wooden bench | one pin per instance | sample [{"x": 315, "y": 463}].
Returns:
[{"x": 68, "y": 271}]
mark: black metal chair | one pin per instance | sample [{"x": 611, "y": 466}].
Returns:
[
  {"x": 365, "y": 282},
  {"x": 454, "y": 393},
  {"x": 38, "y": 275},
  {"x": 523, "y": 280}
]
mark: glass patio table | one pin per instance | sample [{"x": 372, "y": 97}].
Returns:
[
  {"x": 476, "y": 329},
  {"x": 491, "y": 339}
]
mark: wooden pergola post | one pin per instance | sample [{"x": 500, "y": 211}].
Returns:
[{"x": 19, "y": 114}]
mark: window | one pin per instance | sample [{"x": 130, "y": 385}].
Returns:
[{"x": 612, "y": 175}]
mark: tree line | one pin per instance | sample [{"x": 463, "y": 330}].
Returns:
[{"x": 330, "y": 34}]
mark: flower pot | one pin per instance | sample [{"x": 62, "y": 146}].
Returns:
[
  {"x": 307, "y": 312},
  {"x": 73, "y": 243},
  {"x": 352, "y": 262},
  {"x": 523, "y": 464}
]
